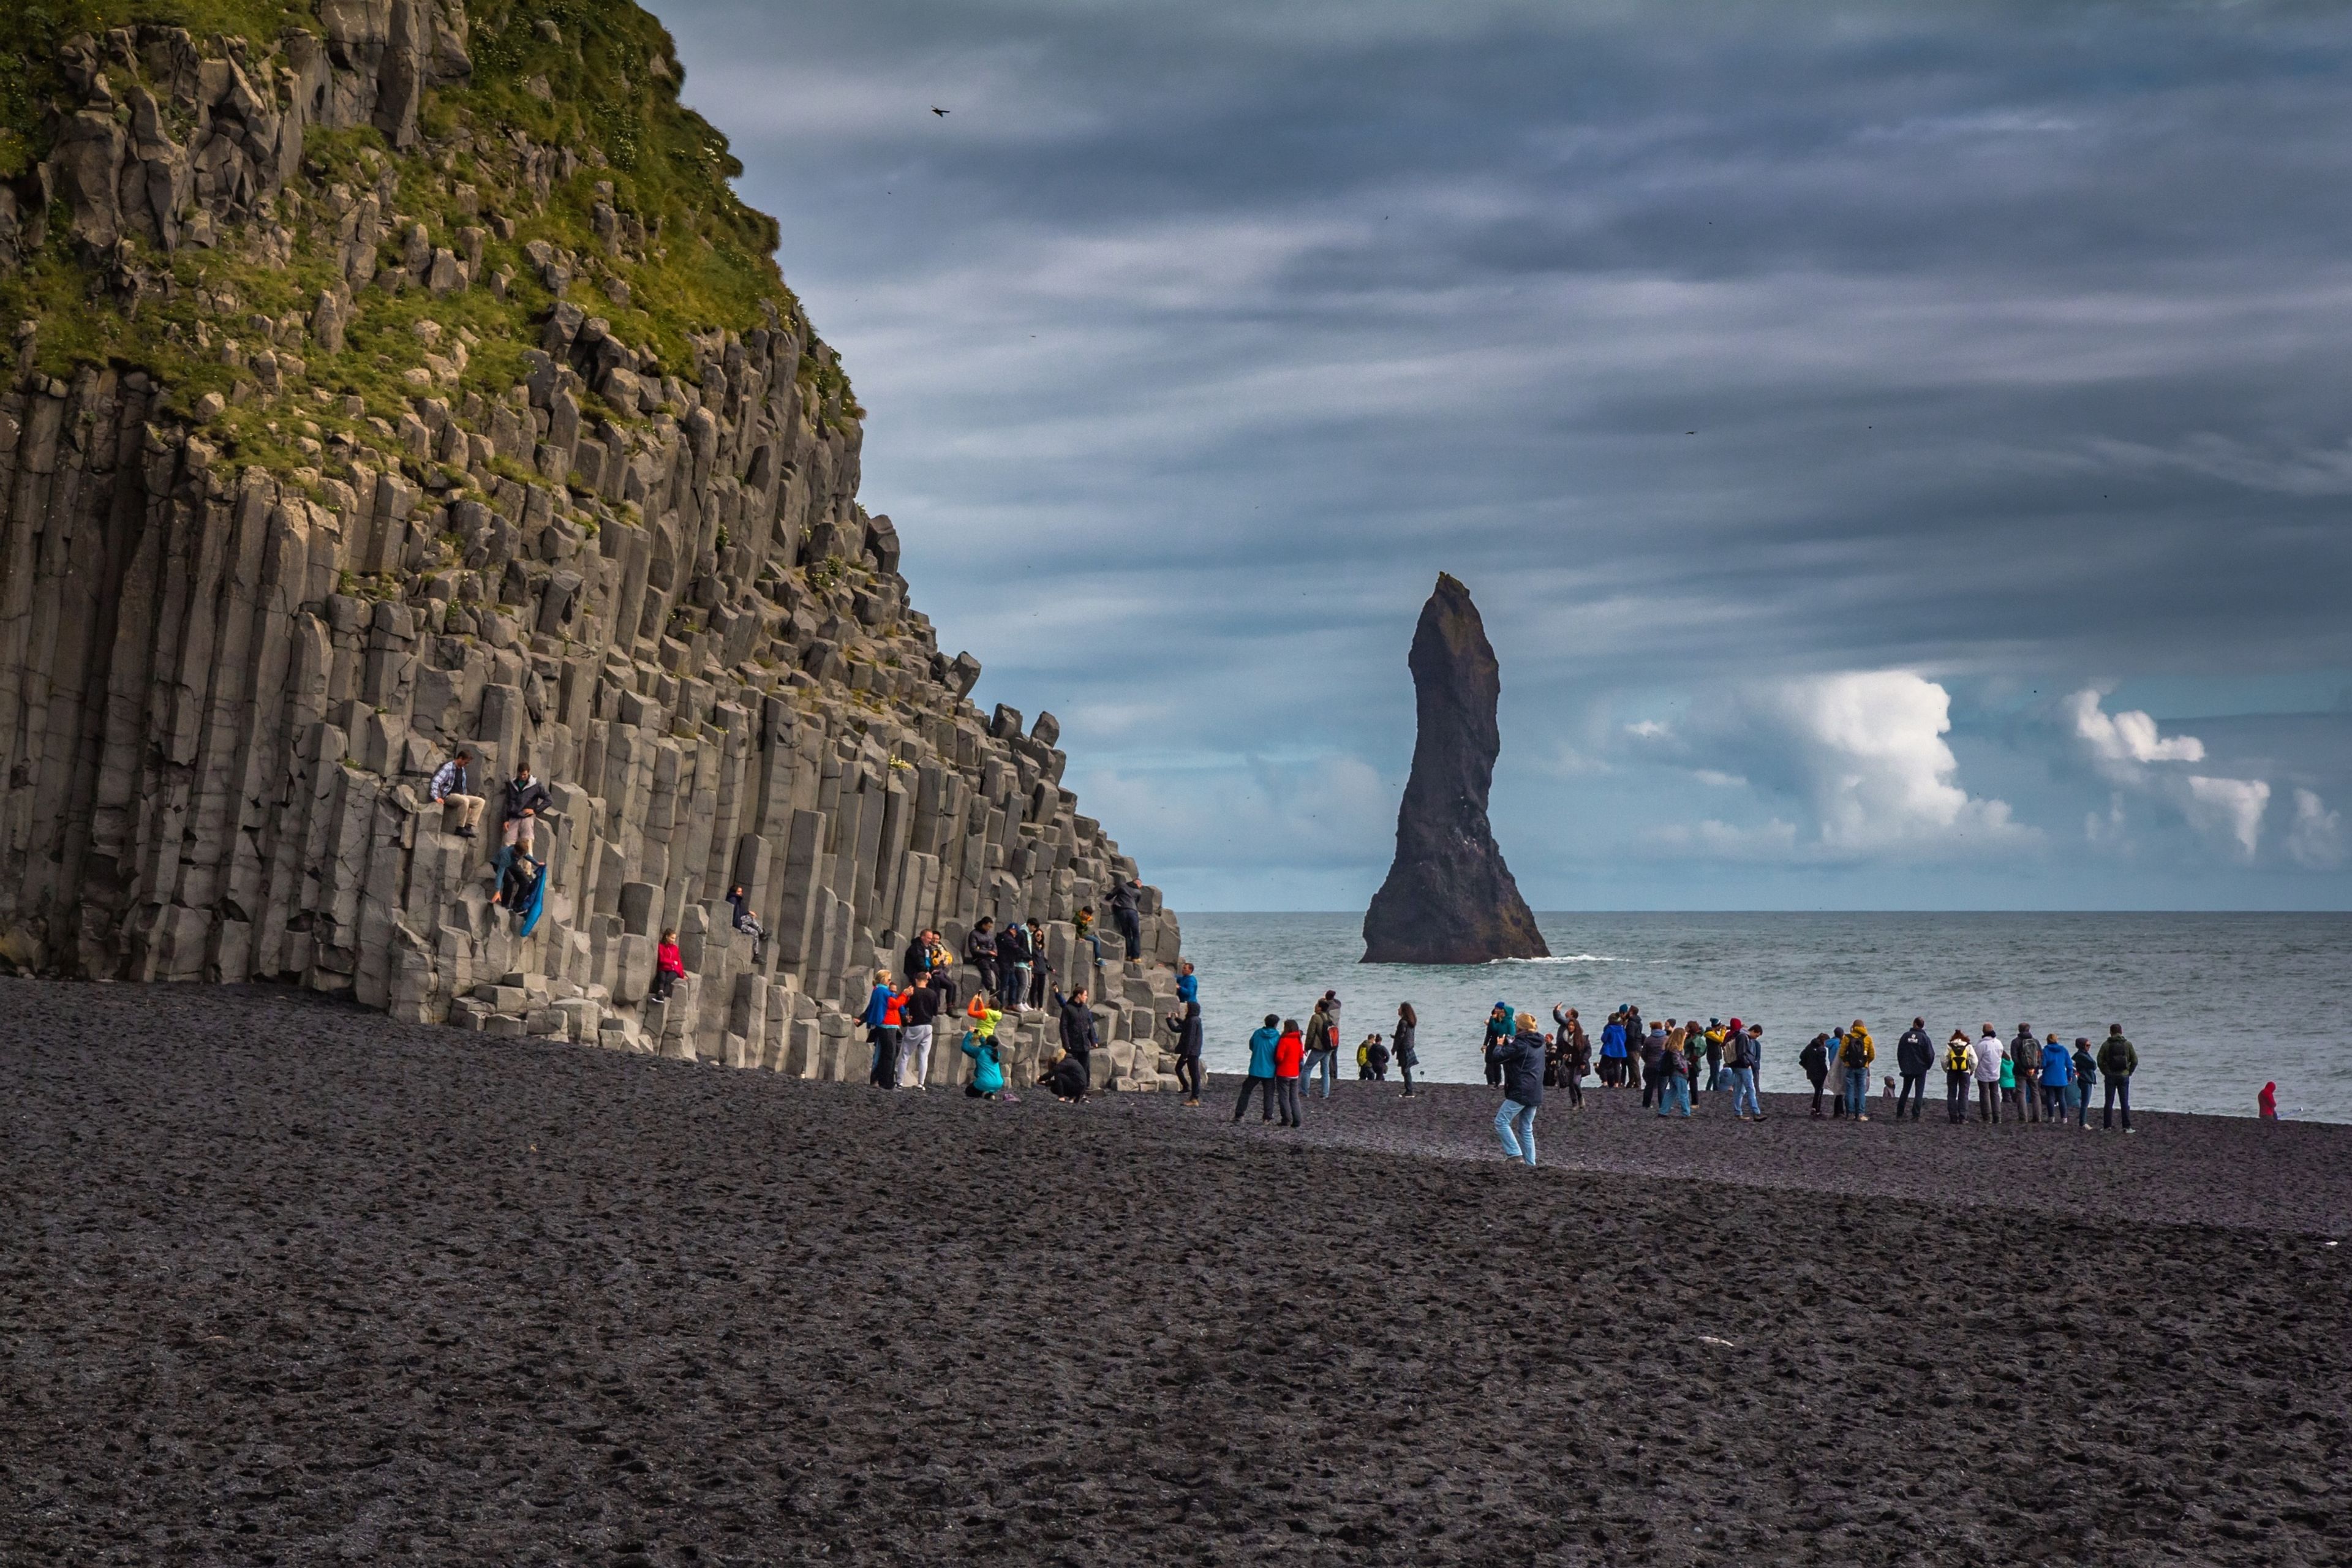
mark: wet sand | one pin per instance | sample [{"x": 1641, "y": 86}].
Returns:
[{"x": 284, "y": 1282}]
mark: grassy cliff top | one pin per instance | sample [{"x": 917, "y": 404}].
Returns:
[{"x": 599, "y": 79}]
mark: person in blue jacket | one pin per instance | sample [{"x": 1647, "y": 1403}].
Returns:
[
  {"x": 1188, "y": 985},
  {"x": 1261, "y": 1069},
  {"x": 1613, "y": 1051},
  {"x": 2058, "y": 1090},
  {"x": 1519, "y": 1059}
]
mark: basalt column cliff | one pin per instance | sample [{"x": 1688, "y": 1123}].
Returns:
[
  {"x": 1449, "y": 897},
  {"x": 388, "y": 376}
]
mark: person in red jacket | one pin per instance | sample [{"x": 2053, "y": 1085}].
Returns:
[
  {"x": 1288, "y": 1052},
  {"x": 670, "y": 968}
]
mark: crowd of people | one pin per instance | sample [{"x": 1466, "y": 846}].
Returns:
[{"x": 1674, "y": 1062}]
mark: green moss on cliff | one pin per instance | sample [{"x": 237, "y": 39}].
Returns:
[{"x": 598, "y": 76}]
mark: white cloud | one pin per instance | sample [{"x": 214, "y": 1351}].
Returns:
[
  {"x": 2315, "y": 841},
  {"x": 1864, "y": 751},
  {"x": 2127, "y": 737},
  {"x": 2230, "y": 806}
]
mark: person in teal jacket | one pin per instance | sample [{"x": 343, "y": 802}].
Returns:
[
  {"x": 987, "y": 1067},
  {"x": 1261, "y": 1071}
]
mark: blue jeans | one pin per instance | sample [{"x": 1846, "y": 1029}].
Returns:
[
  {"x": 1329, "y": 1062},
  {"x": 1743, "y": 1092},
  {"x": 1678, "y": 1093},
  {"x": 1857, "y": 1090},
  {"x": 1525, "y": 1117}
]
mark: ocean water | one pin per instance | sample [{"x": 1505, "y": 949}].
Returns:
[{"x": 2216, "y": 1004}]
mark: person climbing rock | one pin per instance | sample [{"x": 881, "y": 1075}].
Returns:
[
  {"x": 461, "y": 811},
  {"x": 1188, "y": 985},
  {"x": 1011, "y": 966},
  {"x": 527, "y": 798},
  {"x": 1041, "y": 968},
  {"x": 748, "y": 922},
  {"x": 979, "y": 952},
  {"x": 670, "y": 968},
  {"x": 1123, "y": 890}
]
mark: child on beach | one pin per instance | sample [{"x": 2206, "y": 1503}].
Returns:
[{"x": 1374, "y": 1054}]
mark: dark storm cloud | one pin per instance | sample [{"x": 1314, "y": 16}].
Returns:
[{"x": 1199, "y": 338}]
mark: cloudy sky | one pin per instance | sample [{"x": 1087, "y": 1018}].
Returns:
[{"x": 1903, "y": 454}]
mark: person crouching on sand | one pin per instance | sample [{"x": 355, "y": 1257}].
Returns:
[
  {"x": 987, "y": 1067},
  {"x": 1262, "y": 1044},
  {"x": 1520, "y": 1060},
  {"x": 1289, "y": 1052}
]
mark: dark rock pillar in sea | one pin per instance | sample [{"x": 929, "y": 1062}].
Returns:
[{"x": 1449, "y": 897}]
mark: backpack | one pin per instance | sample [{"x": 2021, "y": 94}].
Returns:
[
  {"x": 1956, "y": 1059},
  {"x": 1850, "y": 1055}
]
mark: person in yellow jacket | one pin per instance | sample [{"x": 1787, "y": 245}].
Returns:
[{"x": 1854, "y": 1055}]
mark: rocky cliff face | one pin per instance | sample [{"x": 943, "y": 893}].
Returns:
[
  {"x": 1449, "y": 899},
  {"x": 379, "y": 390}
]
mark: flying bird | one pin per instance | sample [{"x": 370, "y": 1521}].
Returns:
[{"x": 940, "y": 112}]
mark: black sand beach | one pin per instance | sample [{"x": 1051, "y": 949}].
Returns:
[{"x": 283, "y": 1282}]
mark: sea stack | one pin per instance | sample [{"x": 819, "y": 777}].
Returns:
[{"x": 1449, "y": 897}]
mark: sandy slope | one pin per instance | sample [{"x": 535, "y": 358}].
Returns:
[{"x": 283, "y": 1282}]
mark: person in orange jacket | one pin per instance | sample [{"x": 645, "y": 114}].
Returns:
[{"x": 1290, "y": 1051}]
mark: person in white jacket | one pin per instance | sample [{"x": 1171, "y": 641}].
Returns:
[{"x": 1988, "y": 1053}]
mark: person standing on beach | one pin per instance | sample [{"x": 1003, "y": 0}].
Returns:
[
  {"x": 1520, "y": 1056},
  {"x": 918, "y": 1017},
  {"x": 2086, "y": 1080},
  {"x": 1288, "y": 1050},
  {"x": 1856, "y": 1056},
  {"x": 1673, "y": 1082},
  {"x": 1186, "y": 1027},
  {"x": 1322, "y": 1047},
  {"x": 1578, "y": 1056},
  {"x": 1958, "y": 1063},
  {"x": 1991, "y": 1061},
  {"x": 883, "y": 1019},
  {"x": 1653, "y": 1047},
  {"x": 1401, "y": 1038},
  {"x": 1262, "y": 1043},
  {"x": 1743, "y": 1053},
  {"x": 1915, "y": 1053},
  {"x": 1612, "y": 1050},
  {"x": 1635, "y": 1036},
  {"x": 1715, "y": 1042},
  {"x": 2266, "y": 1102},
  {"x": 2117, "y": 1062},
  {"x": 2025, "y": 1057},
  {"x": 2057, "y": 1082},
  {"x": 1498, "y": 1027},
  {"x": 1815, "y": 1059}
]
